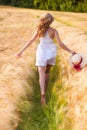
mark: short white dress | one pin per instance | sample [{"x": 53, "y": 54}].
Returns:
[{"x": 46, "y": 51}]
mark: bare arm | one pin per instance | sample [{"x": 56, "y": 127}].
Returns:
[
  {"x": 63, "y": 45},
  {"x": 28, "y": 43}
]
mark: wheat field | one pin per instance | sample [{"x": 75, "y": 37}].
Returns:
[{"x": 16, "y": 27}]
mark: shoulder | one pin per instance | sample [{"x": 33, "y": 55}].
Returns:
[
  {"x": 56, "y": 32},
  {"x": 51, "y": 29},
  {"x": 51, "y": 32}
]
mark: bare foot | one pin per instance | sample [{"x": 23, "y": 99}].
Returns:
[{"x": 43, "y": 100}]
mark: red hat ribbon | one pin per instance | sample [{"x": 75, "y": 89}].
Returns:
[{"x": 78, "y": 66}]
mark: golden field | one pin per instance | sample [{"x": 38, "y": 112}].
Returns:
[{"x": 16, "y": 27}]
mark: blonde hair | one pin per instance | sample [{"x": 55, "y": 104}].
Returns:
[{"x": 44, "y": 24}]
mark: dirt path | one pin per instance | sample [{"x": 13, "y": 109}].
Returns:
[{"x": 14, "y": 32}]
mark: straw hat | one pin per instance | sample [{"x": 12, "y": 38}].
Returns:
[{"x": 78, "y": 61}]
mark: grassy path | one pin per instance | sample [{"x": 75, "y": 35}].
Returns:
[{"x": 51, "y": 116}]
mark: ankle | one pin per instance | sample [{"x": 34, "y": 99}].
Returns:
[
  {"x": 42, "y": 94},
  {"x": 43, "y": 100}
]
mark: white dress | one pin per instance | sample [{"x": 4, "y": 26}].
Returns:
[{"x": 46, "y": 51}]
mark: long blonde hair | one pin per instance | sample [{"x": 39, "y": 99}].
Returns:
[{"x": 44, "y": 24}]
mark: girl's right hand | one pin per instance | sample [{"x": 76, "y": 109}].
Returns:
[{"x": 19, "y": 54}]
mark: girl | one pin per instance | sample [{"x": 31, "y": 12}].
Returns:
[{"x": 46, "y": 50}]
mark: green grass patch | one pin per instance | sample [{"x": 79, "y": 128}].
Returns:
[{"x": 33, "y": 115}]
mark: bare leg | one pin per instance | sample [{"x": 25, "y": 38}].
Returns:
[
  {"x": 42, "y": 83},
  {"x": 47, "y": 75}
]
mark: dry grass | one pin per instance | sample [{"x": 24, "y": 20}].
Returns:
[
  {"x": 15, "y": 29},
  {"x": 76, "y": 82}
]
